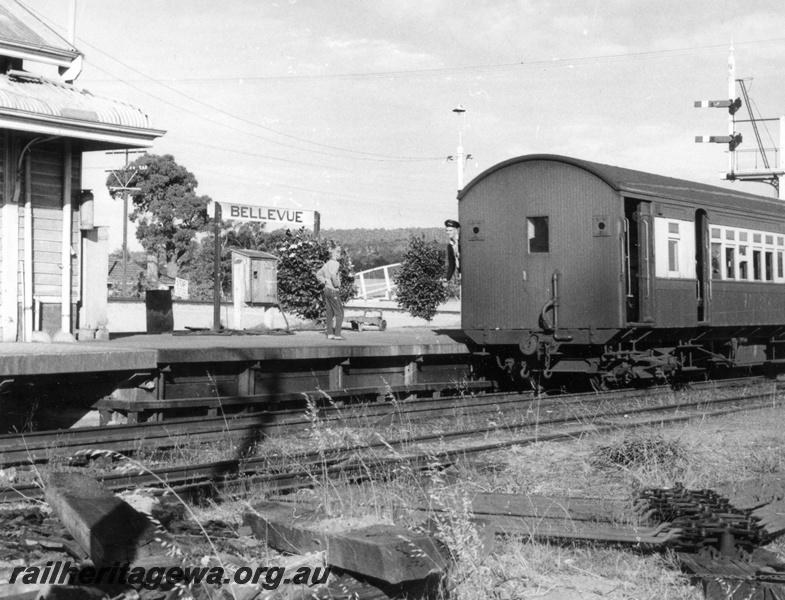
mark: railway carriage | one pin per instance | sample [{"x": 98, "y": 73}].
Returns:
[{"x": 582, "y": 269}]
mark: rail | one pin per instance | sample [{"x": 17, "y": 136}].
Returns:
[{"x": 567, "y": 417}]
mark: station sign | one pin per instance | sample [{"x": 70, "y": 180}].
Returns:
[
  {"x": 181, "y": 288},
  {"x": 287, "y": 217}
]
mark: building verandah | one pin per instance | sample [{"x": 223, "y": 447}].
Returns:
[{"x": 53, "y": 259}]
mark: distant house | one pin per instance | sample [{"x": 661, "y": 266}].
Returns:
[
  {"x": 136, "y": 278},
  {"x": 135, "y": 275},
  {"x": 52, "y": 255}
]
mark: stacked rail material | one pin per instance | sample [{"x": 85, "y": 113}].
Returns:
[
  {"x": 705, "y": 519},
  {"x": 560, "y": 518},
  {"x": 719, "y": 538},
  {"x": 758, "y": 576},
  {"x": 764, "y": 498}
]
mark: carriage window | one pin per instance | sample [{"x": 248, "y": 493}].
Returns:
[
  {"x": 673, "y": 255},
  {"x": 756, "y": 271},
  {"x": 769, "y": 264},
  {"x": 673, "y": 247},
  {"x": 538, "y": 234},
  {"x": 742, "y": 236},
  {"x": 715, "y": 233},
  {"x": 730, "y": 263},
  {"x": 756, "y": 238},
  {"x": 770, "y": 239},
  {"x": 743, "y": 263},
  {"x": 779, "y": 265},
  {"x": 730, "y": 234},
  {"x": 781, "y": 241},
  {"x": 716, "y": 261}
]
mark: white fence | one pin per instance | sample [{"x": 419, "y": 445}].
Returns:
[{"x": 376, "y": 283}]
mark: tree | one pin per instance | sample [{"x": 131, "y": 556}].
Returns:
[
  {"x": 419, "y": 280},
  {"x": 166, "y": 209},
  {"x": 197, "y": 267},
  {"x": 298, "y": 289}
]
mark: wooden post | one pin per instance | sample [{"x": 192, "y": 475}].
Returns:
[
  {"x": 387, "y": 286},
  {"x": 317, "y": 224},
  {"x": 386, "y": 552},
  {"x": 107, "y": 528},
  {"x": 217, "y": 269}
]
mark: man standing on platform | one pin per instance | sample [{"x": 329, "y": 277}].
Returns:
[{"x": 330, "y": 277}]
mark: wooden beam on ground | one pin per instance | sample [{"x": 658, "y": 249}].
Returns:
[
  {"x": 388, "y": 553},
  {"x": 109, "y": 529}
]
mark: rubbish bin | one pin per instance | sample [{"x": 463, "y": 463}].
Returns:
[{"x": 160, "y": 317}]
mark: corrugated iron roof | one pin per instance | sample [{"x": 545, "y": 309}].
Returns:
[
  {"x": 36, "y": 95},
  {"x": 633, "y": 182},
  {"x": 22, "y": 34},
  {"x": 115, "y": 272},
  {"x": 37, "y": 104}
]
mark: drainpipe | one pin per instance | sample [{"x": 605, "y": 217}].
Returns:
[
  {"x": 65, "y": 324},
  {"x": 28, "y": 252},
  {"x": 27, "y": 282}
]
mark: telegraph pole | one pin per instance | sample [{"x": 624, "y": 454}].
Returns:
[{"x": 125, "y": 177}]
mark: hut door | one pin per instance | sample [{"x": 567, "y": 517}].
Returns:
[
  {"x": 702, "y": 264},
  {"x": 638, "y": 265}
]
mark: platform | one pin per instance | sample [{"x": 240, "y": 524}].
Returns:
[
  {"x": 144, "y": 352},
  {"x": 28, "y": 359},
  {"x": 301, "y": 345},
  {"x": 155, "y": 374}
]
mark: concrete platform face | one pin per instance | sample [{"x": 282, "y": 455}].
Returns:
[
  {"x": 147, "y": 352},
  {"x": 26, "y": 359},
  {"x": 302, "y": 345}
]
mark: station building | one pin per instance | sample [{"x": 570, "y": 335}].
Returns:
[{"x": 52, "y": 256}]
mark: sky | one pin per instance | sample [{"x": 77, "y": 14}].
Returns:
[{"x": 346, "y": 107}]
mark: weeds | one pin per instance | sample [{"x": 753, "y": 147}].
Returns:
[{"x": 644, "y": 450}]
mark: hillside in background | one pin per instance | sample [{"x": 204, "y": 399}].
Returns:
[
  {"x": 368, "y": 248},
  {"x": 371, "y": 248}
]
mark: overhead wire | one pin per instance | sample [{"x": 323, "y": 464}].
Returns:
[
  {"x": 364, "y": 155},
  {"x": 553, "y": 62},
  {"x": 362, "y": 199}
]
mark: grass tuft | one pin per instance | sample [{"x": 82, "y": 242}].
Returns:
[{"x": 635, "y": 450}]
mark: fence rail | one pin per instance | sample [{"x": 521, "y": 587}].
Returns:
[{"x": 376, "y": 283}]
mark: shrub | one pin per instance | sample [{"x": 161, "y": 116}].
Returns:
[
  {"x": 419, "y": 279},
  {"x": 299, "y": 291}
]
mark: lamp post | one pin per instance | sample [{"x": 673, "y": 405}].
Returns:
[
  {"x": 461, "y": 157},
  {"x": 460, "y": 110}
]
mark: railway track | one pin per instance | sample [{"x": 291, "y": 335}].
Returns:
[
  {"x": 575, "y": 415},
  {"x": 42, "y": 446}
]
